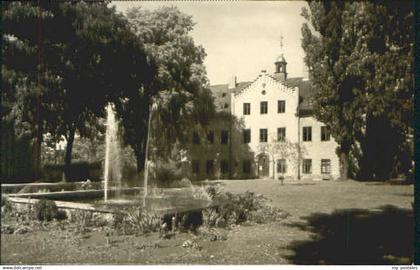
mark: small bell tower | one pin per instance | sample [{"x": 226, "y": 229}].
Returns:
[{"x": 281, "y": 63}]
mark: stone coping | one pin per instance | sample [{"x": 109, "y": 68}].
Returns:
[
  {"x": 73, "y": 192},
  {"x": 44, "y": 184},
  {"x": 110, "y": 209},
  {"x": 63, "y": 205}
]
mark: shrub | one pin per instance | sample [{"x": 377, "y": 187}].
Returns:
[
  {"x": 191, "y": 220},
  {"x": 238, "y": 208},
  {"x": 137, "y": 220},
  {"x": 45, "y": 210},
  {"x": 185, "y": 182},
  {"x": 6, "y": 205},
  {"x": 165, "y": 177},
  {"x": 4, "y": 199},
  {"x": 212, "y": 191},
  {"x": 76, "y": 172},
  {"x": 200, "y": 193},
  {"x": 83, "y": 218}
]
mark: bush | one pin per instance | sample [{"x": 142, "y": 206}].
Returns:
[
  {"x": 185, "y": 182},
  {"x": 77, "y": 171},
  {"x": 6, "y": 205},
  {"x": 238, "y": 208},
  {"x": 166, "y": 177},
  {"x": 45, "y": 210},
  {"x": 191, "y": 220},
  {"x": 212, "y": 191},
  {"x": 137, "y": 220},
  {"x": 4, "y": 199}
]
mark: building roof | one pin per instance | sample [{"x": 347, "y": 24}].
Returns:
[
  {"x": 280, "y": 58},
  {"x": 306, "y": 92},
  {"x": 221, "y": 93}
]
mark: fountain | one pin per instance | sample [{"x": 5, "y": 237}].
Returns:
[
  {"x": 112, "y": 168},
  {"x": 163, "y": 201}
]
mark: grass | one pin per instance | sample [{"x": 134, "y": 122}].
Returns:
[{"x": 314, "y": 207}]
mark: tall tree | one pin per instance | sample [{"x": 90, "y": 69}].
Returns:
[
  {"x": 181, "y": 76},
  {"x": 89, "y": 55},
  {"x": 353, "y": 51}
]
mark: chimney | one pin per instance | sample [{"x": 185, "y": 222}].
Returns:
[{"x": 232, "y": 82}]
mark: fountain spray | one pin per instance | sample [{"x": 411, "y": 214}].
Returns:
[{"x": 112, "y": 169}]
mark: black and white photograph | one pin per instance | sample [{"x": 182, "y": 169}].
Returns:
[{"x": 162, "y": 133}]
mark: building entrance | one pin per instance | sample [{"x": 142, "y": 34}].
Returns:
[{"x": 263, "y": 166}]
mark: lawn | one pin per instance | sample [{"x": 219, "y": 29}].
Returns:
[{"x": 329, "y": 222}]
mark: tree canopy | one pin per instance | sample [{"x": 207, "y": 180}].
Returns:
[
  {"x": 63, "y": 61},
  {"x": 360, "y": 59},
  {"x": 178, "y": 89}
]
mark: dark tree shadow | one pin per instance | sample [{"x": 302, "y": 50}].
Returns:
[{"x": 357, "y": 236}]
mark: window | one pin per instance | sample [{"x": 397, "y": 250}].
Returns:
[
  {"x": 196, "y": 138},
  {"x": 247, "y": 108},
  {"x": 281, "y": 106},
  {"x": 281, "y": 134},
  {"x": 263, "y": 107},
  {"x": 307, "y": 134},
  {"x": 325, "y": 133},
  {"x": 224, "y": 166},
  {"x": 209, "y": 167},
  {"x": 195, "y": 166},
  {"x": 246, "y": 166},
  {"x": 325, "y": 166},
  {"x": 224, "y": 138},
  {"x": 307, "y": 166},
  {"x": 247, "y": 135},
  {"x": 281, "y": 166},
  {"x": 225, "y": 106},
  {"x": 223, "y": 94},
  {"x": 210, "y": 137},
  {"x": 263, "y": 135}
]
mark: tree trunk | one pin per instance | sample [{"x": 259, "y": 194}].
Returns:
[
  {"x": 140, "y": 158},
  {"x": 141, "y": 155},
  {"x": 274, "y": 168},
  {"x": 38, "y": 154},
  {"x": 67, "y": 157},
  {"x": 344, "y": 165}
]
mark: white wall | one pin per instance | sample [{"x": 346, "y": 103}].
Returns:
[
  {"x": 317, "y": 149},
  {"x": 274, "y": 91}
]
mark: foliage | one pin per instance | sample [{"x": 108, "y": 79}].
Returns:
[
  {"x": 6, "y": 205},
  {"x": 213, "y": 191},
  {"x": 360, "y": 57},
  {"x": 82, "y": 221},
  {"x": 233, "y": 209},
  {"x": 45, "y": 210},
  {"x": 190, "y": 221},
  {"x": 87, "y": 56},
  {"x": 292, "y": 152},
  {"x": 180, "y": 77},
  {"x": 184, "y": 182},
  {"x": 168, "y": 177},
  {"x": 137, "y": 220},
  {"x": 77, "y": 171},
  {"x": 4, "y": 199}
]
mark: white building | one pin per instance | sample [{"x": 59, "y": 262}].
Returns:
[{"x": 272, "y": 110}]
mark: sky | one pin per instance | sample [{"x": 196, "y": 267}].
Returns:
[{"x": 241, "y": 38}]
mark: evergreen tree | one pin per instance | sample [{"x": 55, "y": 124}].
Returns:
[{"x": 360, "y": 59}]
